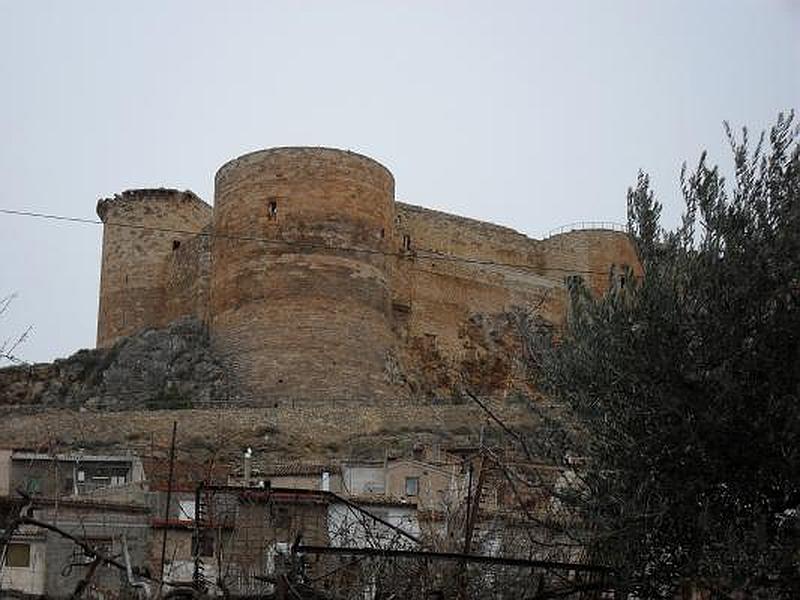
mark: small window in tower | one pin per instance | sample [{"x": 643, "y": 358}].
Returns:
[
  {"x": 383, "y": 233},
  {"x": 622, "y": 281},
  {"x": 176, "y": 244},
  {"x": 272, "y": 210},
  {"x": 406, "y": 242}
]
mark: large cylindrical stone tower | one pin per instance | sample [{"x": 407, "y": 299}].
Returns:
[
  {"x": 136, "y": 246},
  {"x": 300, "y": 299}
]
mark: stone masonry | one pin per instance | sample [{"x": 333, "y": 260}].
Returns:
[{"x": 315, "y": 284}]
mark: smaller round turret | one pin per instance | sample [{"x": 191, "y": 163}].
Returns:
[
  {"x": 590, "y": 253},
  {"x": 136, "y": 246}
]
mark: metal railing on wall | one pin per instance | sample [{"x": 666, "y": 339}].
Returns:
[{"x": 587, "y": 225}]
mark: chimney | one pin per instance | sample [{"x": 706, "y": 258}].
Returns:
[
  {"x": 248, "y": 466},
  {"x": 326, "y": 481}
]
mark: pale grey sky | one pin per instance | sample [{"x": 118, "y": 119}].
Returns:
[{"x": 529, "y": 114}]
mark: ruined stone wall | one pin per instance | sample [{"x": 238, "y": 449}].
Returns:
[
  {"x": 304, "y": 314},
  {"x": 132, "y": 286},
  {"x": 441, "y": 232},
  {"x": 499, "y": 269},
  {"x": 187, "y": 278}
]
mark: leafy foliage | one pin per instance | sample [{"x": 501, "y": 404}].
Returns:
[{"x": 686, "y": 385}]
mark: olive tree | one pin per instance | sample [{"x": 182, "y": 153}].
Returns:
[{"x": 682, "y": 389}]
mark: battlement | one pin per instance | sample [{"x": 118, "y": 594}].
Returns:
[{"x": 147, "y": 195}]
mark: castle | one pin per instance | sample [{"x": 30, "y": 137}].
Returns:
[{"x": 315, "y": 283}]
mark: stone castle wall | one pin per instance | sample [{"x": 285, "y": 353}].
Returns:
[
  {"x": 438, "y": 295},
  {"x": 187, "y": 278},
  {"x": 315, "y": 284}
]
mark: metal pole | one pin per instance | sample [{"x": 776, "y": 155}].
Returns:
[
  {"x": 462, "y": 571},
  {"x": 469, "y": 509},
  {"x": 197, "y": 537},
  {"x": 169, "y": 499}
]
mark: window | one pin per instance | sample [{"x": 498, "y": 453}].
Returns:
[
  {"x": 412, "y": 486},
  {"x": 186, "y": 510},
  {"x": 81, "y": 476},
  {"x": 406, "y": 242},
  {"x": 176, "y": 244},
  {"x": 18, "y": 555},
  {"x": 272, "y": 210}
]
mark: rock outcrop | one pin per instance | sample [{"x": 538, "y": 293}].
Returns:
[{"x": 165, "y": 368}]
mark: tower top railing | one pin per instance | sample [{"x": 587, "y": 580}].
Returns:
[{"x": 587, "y": 225}]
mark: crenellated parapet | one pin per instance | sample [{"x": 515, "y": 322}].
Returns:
[{"x": 141, "y": 230}]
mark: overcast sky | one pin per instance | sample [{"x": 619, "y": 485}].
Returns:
[{"x": 529, "y": 114}]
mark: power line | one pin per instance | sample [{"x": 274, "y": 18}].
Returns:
[
  {"x": 453, "y": 556},
  {"x": 427, "y": 254}
]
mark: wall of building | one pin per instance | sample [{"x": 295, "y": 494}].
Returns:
[
  {"x": 54, "y": 476},
  {"x": 5, "y": 471},
  {"x": 352, "y": 529},
  {"x": 179, "y": 560},
  {"x": 437, "y": 487},
  {"x": 364, "y": 480},
  {"x": 260, "y": 526},
  {"x": 102, "y": 526},
  {"x": 28, "y": 579},
  {"x": 305, "y": 482}
]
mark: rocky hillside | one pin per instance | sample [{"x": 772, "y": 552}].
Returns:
[
  {"x": 176, "y": 368},
  {"x": 125, "y": 398},
  {"x": 157, "y": 369}
]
